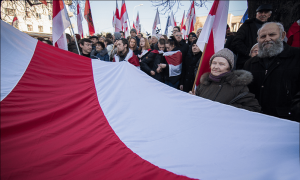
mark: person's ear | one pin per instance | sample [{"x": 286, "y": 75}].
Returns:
[{"x": 283, "y": 35}]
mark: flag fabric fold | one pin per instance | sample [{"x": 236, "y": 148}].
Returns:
[
  {"x": 60, "y": 22},
  {"x": 212, "y": 34},
  {"x": 156, "y": 22},
  {"x": 174, "y": 59},
  {"x": 88, "y": 17},
  {"x": 65, "y": 116}
]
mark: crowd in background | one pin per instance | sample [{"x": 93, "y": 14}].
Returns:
[{"x": 258, "y": 69}]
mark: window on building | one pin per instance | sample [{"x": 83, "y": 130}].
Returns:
[
  {"x": 50, "y": 29},
  {"x": 38, "y": 15},
  {"x": 10, "y": 12},
  {"x": 29, "y": 27},
  {"x": 40, "y": 28},
  {"x": 28, "y": 14}
]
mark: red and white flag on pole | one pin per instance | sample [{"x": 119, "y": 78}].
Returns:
[
  {"x": 156, "y": 22},
  {"x": 15, "y": 21},
  {"x": 174, "y": 59},
  {"x": 190, "y": 19},
  {"x": 79, "y": 21},
  {"x": 183, "y": 27},
  {"x": 213, "y": 33},
  {"x": 124, "y": 19},
  {"x": 137, "y": 23},
  {"x": 60, "y": 22},
  {"x": 117, "y": 20},
  {"x": 88, "y": 17},
  {"x": 66, "y": 116},
  {"x": 172, "y": 20}
]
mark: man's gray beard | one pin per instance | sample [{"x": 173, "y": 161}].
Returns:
[{"x": 274, "y": 50}]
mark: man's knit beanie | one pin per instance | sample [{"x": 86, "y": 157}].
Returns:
[{"x": 225, "y": 53}]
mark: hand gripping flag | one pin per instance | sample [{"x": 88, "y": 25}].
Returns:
[
  {"x": 212, "y": 34},
  {"x": 60, "y": 22},
  {"x": 79, "y": 21},
  {"x": 117, "y": 20},
  {"x": 174, "y": 59},
  {"x": 130, "y": 57},
  {"x": 66, "y": 116},
  {"x": 156, "y": 22},
  {"x": 88, "y": 17}
]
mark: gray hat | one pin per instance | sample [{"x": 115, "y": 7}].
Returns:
[
  {"x": 134, "y": 30},
  {"x": 117, "y": 35},
  {"x": 225, "y": 53}
]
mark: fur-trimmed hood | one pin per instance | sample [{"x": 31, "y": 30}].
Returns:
[{"x": 236, "y": 78}]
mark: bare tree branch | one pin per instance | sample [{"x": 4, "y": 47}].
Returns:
[{"x": 168, "y": 5}]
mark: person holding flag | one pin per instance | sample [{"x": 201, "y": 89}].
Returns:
[
  {"x": 124, "y": 53},
  {"x": 171, "y": 63}
]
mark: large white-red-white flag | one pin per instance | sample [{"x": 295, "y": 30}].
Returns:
[
  {"x": 79, "y": 20},
  {"x": 60, "y": 22},
  {"x": 213, "y": 33},
  {"x": 155, "y": 23},
  {"x": 117, "y": 20},
  {"x": 124, "y": 19},
  {"x": 66, "y": 116},
  {"x": 190, "y": 19},
  {"x": 174, "y": 59},
  {"x": 183, "y": 27}
]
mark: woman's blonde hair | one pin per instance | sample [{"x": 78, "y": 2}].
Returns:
[{"x": 147, "y": 46}]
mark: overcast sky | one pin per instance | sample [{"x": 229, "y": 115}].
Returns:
[{"x": 102, "y": 13}]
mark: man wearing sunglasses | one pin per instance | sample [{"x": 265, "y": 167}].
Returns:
[{"x": 247, "y": 34}]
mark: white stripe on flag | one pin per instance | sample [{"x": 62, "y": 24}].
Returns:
[
  {"x": 17, "y": 65},
  {"x": 174, "y": 70}
]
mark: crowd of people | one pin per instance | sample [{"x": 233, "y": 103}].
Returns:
[{"x": 258, "y": 69}]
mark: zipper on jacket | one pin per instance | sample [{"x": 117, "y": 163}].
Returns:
[{"x": 266, "y": 72}]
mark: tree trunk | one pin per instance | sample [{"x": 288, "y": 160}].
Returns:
[{"x": 284, "y": 11}]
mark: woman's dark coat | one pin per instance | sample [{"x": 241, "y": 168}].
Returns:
[{"x": 229, "y": 88}]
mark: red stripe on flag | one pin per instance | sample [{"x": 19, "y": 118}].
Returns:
[
  {"x": 206, "y": 57},
  {"x": 175, "y": 59},
  {"x": 58, "y": 5},
  {"x": 53, "y": 127},
  {"x": 214, "y": 8}
]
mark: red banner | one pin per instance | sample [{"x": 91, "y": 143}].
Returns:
[{"x": 88, "y": 17}]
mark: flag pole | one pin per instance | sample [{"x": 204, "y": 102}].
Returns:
[
  {"x": 193, "y": 90},
  {"x": 74, "y": 34}
]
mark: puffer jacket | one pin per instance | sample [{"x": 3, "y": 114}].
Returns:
[{"x": 231, "y": 90}]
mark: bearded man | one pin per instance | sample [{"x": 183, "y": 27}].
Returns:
[
  {"x": 125, "y": 53},
  {"x": 276, "y": 72}
]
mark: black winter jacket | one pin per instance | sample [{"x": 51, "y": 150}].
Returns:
[
  {"x": 276, "y": 86},
  {"x": 244, "y": 39},
  {"x": 188, "y": 70},
  {"x": 150, "y": 63}
]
